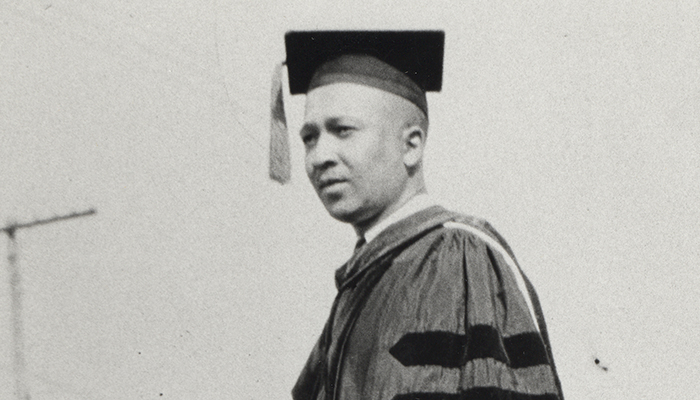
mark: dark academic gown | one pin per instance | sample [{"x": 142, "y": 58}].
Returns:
[{"x": 431, "y": 309}]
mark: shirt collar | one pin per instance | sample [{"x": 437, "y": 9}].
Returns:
[{"x": 417, "y": 203}]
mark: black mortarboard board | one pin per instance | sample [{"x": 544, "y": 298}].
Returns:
[{"x": 418, "y": 54}]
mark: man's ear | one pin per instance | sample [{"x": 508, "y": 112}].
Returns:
[{"x": 413, "y": 138}]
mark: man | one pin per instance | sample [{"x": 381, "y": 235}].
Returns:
[{"x": 432, "y": 304}]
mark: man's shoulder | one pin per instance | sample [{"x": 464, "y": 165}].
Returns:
[
  {"x": 477, "y": 226},
  {"x": 476, "y": 229}
]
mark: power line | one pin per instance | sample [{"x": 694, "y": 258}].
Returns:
[
  {"x": 21, "y": 390},
  {"x": 11, "y": 228}
]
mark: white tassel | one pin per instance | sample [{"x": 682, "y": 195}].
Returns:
[{"x": 280, "y": 160}]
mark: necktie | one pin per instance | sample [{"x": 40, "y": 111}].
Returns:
[
  {"x": 360, "y": 242},
  {"x": 343, "y": 272}
]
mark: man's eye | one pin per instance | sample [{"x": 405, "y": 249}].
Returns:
[
  {"x": 308, "y": 139},
  {"x": 344, "y": 130}
]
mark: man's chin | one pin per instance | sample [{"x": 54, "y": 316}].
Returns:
[
  {"x": 343, "y": 216},
  {"x": 343, "y": 213}
]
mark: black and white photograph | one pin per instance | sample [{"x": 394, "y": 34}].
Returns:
[{"x": 329, "y": 200}]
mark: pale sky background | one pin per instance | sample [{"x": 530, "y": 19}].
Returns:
[{"x": 573, "y": 128}]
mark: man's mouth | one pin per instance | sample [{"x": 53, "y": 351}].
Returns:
[{"x": 326, "y": 183}]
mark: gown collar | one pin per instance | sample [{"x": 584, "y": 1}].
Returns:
[
  {"x": 417, "y": 203},
  {"x": 394, "y": 237}
]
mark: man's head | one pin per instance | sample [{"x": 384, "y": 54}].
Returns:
[
  {"x": 364, "y": 150},
  {"x": 366, "y": 118}
]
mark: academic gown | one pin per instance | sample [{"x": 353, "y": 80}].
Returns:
[{"x": 432, "y": 308}]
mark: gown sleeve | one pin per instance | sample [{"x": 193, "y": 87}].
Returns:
[{"x": 495, "y": 350}]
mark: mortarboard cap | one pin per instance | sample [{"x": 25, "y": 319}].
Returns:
[{"x": 406, "y": 63}]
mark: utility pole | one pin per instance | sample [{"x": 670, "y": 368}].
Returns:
[{"x": 16, "y": 293}]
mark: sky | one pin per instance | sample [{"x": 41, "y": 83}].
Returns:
[{"x": 573, "y": 128}]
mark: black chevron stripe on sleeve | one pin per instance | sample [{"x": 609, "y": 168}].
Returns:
[{"x": 451, "y": 350}]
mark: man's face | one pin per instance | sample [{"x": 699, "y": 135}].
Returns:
[{"x": 354, "y": 150}]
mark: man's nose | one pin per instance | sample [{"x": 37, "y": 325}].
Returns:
[{"x": 324, "y": 153}]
